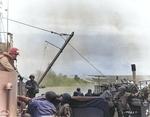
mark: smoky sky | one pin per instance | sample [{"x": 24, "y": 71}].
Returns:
[{"x": 111, "y": 35}]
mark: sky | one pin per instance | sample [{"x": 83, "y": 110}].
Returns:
[{"x": 110, "y": 34}]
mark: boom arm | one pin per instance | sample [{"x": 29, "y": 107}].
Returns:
[{"x": 57, "y": 55}]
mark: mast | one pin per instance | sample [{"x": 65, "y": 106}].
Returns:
[
  {"x": 57, "y": 55},
  {"x": 6, "y": 38},
  {"x": 0, "y": 20},
  {"x": 7, "y": 22}
]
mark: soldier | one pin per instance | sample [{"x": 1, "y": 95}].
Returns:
[
  {"x": 63, "y": 108},
  {"x": 89, "y": 93},
  {"x": 122, "y": 103},
  {"x": 148, "y": 92},
  {"x": 108, "y": 97},
  {"x": 41, "y": 107},
  {"x": 7, "y": 60},
  {"x": 31, "y": 85},
  {"x": 78, "y": 92}
]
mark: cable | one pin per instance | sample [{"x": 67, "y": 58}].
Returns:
[
  {"x": 61, "y": 34},
  {"x": 36, "y": 27},
  {"x": 86, "y": 59},
  {"x": 45, "y": 46},
  {"x": 52, "y": 44}
]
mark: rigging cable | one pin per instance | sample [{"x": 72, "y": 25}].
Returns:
[
  {"x": 86, "y": 60},
  {"x": 61, "y": 34},
  {"x": 45, "y": 46},
  {"x": 36, "y": 27}
]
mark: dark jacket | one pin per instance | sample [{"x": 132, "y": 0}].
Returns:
[
  {"x": 89, "y": 94},
  {"x": 31, "y": 85},
  {"x": 77, "y": 93}
]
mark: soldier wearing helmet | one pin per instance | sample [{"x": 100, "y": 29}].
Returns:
[
  {"x": 7, "y": 60},
  {"x": 78, "y": 92},
  {"x": 41, "y": 106},
  {"x": 106, "y": 95},
  {"x": 31, "y": 85},
  {"x": 63, "y": 108},
  {"x": 121, "y": 100}
]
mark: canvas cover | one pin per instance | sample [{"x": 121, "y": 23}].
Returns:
[{"x": 89, "y": 107}]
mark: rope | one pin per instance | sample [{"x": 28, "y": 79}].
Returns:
[
  {"x": 45, "y": 46},
  {"x": 86, "y": 60},
  {"x": 36, "y": 27}
]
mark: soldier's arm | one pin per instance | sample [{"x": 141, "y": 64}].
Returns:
[
  {"x": 34, "y": 84},
  {"x": 24, "y": 98},
  {"x": 134, "y": 95},
  {"x": 28, "y": 85},
  {"x": 4, "y": 61}
]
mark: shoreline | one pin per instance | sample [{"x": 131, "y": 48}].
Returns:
[{"x": 70, "y": 86}]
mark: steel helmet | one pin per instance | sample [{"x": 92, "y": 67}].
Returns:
[
  {"x": 31, "y": 76},
  {"x": 122, "y": 88},
  {"x": 104, "y": 85},
  {"x": 66, "y": 97},
  {"x": 14, "y": 51},
  {"x": 78, "y": 89},
  {"x": 51, "y": 96}
]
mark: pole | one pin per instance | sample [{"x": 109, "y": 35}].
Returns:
[
  {"x": 57, "y": 55},
  {"x": 7, "y": 22}
]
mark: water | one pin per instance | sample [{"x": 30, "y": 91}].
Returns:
[{"x": 61, "y": 90}]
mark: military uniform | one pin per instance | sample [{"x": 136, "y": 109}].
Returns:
[
  {"x": 148, "y": 92},
  {"x": 6, "y": 62},
  {"x": 108, "y": 97},
  {"x": 78, "y": 93},
  {"x": 89, "y": 93},
  {"x": 63, "y": 108},
  {"x": 122, "y": 101},
  {"x": 31, "y": 86}
]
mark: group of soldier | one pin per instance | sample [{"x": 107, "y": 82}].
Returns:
[
  {"x": 48, "y": 104},
  {"x": 118, "y": 96},
  {"x": 118, "y": 99}
]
